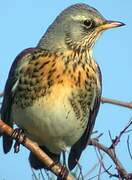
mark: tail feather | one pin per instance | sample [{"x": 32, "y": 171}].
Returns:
[
  {"x": 37, "y": 164},
  {"x": 7, "y": 143}
]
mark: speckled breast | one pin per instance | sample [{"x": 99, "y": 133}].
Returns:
[{"x": 53, "y": 100}]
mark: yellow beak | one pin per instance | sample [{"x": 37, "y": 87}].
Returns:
[{"x": 110, "y": 24}]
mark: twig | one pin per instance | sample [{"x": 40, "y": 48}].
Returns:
[
  {"x": 56, "y": 169},
  {"x": 41, "y": 173},
  {"x": 80, "y": 171},
  {"x": 100, "y": 161},
  {"x": 110, "y": 153},
  {"x": 105, "y": 169},
  {"x": 92, "y": 170},
  {"x": 97, "y": 174},
  {"x": 34, "y": 175},
  {"x": 128, "y": 146},
  {"x": 116, "y": 102},
  {"x": 117, "y": 138}
]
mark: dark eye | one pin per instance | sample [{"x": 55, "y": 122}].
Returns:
[{"x": 89, "y": 23}]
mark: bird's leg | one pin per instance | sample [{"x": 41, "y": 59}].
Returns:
[{"x": 17, "y": 134}]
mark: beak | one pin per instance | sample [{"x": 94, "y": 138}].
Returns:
[{"x": 111, "y": 24}]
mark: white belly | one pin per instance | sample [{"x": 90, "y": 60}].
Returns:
[{"x": 50, "y": 122}]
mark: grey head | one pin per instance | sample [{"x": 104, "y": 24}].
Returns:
[{"x": 76, "y": 28}]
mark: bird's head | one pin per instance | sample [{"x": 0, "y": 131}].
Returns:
[{"x": 76, "y": 28}]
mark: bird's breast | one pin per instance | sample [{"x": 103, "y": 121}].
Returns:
[
  {"x": 55, "y": 120},
  {"x": 53, "y": 100}
]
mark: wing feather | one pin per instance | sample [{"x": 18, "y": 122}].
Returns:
[
  {"x": 8, "y": 97},
  {"x": 81, "y": 144}
]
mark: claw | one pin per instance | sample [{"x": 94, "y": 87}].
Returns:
[
  {"x": 16, "y": 147},
  {"x": 17, "y": 134},
  {"x": 63, "y": 173}
]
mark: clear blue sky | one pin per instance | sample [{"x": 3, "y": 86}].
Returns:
[{"x": 22, "y": 23}]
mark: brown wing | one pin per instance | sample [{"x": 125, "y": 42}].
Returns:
[
  {"x": 81, "y": 144},
  {"x": 8, "y": 97}
]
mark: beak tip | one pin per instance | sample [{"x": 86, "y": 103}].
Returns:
[{"x": 121, "y": 23}]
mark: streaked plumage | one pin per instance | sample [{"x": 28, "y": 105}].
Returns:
[{"x": 53, "y": 91}]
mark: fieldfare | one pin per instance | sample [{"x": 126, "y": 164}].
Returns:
[{"x": 53, "y": 91}]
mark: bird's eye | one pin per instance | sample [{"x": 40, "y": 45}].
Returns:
[{"x": 89, "y": 23}]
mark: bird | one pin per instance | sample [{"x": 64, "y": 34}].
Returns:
[{"x": 53, "y": 90}]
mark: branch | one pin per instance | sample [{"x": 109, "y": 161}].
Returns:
[
  {"x": 100, "y": 157},
  {"x": 110, "y": 151},
  {"x": 55, "y": 168},
  {"x": 128, "y": 147},
  {"x": 116, "y": 102}
]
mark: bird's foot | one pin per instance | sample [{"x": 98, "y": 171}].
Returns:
[
  {"x": 63, "y": 173},
  {"x": 19, "y": 136}
]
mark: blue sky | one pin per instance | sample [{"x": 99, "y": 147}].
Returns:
[{"x": 22, "y": 23}]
